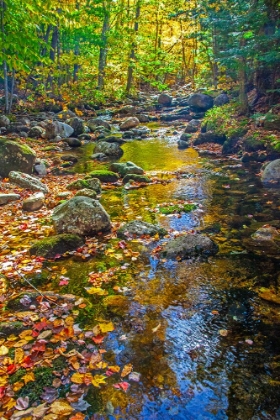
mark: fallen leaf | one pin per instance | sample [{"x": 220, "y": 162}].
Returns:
[
  {"x": 77, "y": 378},
  {"x": 126, "y": 370},
  {"x": 22, "y": 403},
  {"x": 98, "y": 380},
  {"x": 223, "y": 333},
  {"x": 104, "y": 328},
  {"x": 61, "y": 408},
  {"x": 122, "y": 385},
  {"x": 29, "y": 377},
  {"x": 40, "y": 411},
  {"x": 3, "y": 350}
]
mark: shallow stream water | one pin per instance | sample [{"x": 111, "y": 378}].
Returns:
[{"x": 205, "y": 345}]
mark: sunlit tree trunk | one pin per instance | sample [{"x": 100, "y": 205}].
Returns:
[
  {"x": 104, "y": 46},
  {"x": 132, "y": 55}
]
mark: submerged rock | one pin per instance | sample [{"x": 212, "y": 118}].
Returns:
[
  {"x": 58, "y": 244},
  {"x": 137, "y": 229},
  {"x": 136, "y": 178},
  {"x": 108, "y": 149},
  {"x": 103, "y": 175},
  {"x": 189, "y": 246},
  {"x": 82, "y": 216},
  {"x": 265, "y": 241},
  {"x": 271, "y": 174}
]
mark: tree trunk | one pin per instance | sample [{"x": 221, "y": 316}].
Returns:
[
  {"x": 104, "y": 47},
  {"x": 133, "y": 48}
]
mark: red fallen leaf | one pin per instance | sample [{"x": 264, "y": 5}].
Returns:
[
  {"x": 98, "y": 339},
  {"x": 122, "y": 385},
  {"x": 11, "y": 369},
  {"x": 35, "y": 334},
  {"x": 57, "y": 256},
  {"x": 27, "y": 362},
  {"x": 23, "y": 226},
  {"x": 2, "y": 391},
  {"x": 39, "y": 346},
  {"x": 39, "y": 326},
  {"x": 39, "y": 259},
  {"x": 122, "y": 244},
  {"x": 63, "y": 282}
]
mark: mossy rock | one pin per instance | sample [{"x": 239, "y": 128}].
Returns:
[
  {"x": 8, "y": 328},
  {"x": 15, "y": 157},
  {"x": 78, "y": 185},
  {"x": 103, "y": 175},
  {"x": 86, "y": 192},
  {"x": 117, "y": 304},
  {"x": 58, "y": 244},
  {"x": 252, "y": 145},
  {"x": 136, "y": 178}
]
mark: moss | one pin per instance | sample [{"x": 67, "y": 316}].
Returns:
[
  {"x": 177, "y": 208},
  {"x": 17, "y": 375},
  {"x": 78, "y": 185},
  {"x": 136, "y": 178},
  {"x": 103, "y": 175},
  {"x": 43, "y": 378},
  {"x": 58, "y": 244}
]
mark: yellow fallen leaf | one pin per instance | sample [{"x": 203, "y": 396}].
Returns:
[
  {"x": 96, "y": 291},
  {"x": 12, "y": 337},
  {"x": 106, "y": 327},
  {"x": 98, "y": 380},
  {"x": 114, "y": 369},
  {"x": 126, "y": 370},
  {"x": 29, "y": 377},
  {"x": 17, "y": 386},
  {"x": 3, "y": 380},
  {"x": 77, "y": 378},
  {"x": 9, "y": 404},
  {"x": 20, "y": 343},
  {"x": 3, "y": 350},
  {"x": 19, "y": 355},
  {"x": 61, "y": 408}
]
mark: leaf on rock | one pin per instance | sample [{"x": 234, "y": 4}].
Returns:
[{"x": 61, "y": 408}]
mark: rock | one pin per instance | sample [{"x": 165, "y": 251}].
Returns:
[
  {"x": 200, "y": 102},
  {"x": 78, "y": 125},
  {"x": 126, "y": 168},
  {"x": 113, "y": 139},
  {"x": 109, "y": 149},
  {"x": 4, "y": 121},
  {"x": 86, "y": 192},
  {"x": 99, "y": 156},
  {"x": 141, "y": 131},
  {"x": 56, "y": 245},
  {"x": 128, "y": 110},
  {"x": 84, "y": 136},
  {"x": 136, "y": 229},
  {"x": 164, "y": 99},
  {"x": 265, "y": 241},
  {"x": 189, "y": 246},
  {"x": 103, "y": 175},
  {"x": 7, "y": 198},
  {"x": 66, "y": 114},
  {"x": 40, "y": 168},
  {"x": 143, "y": 118},
  {"x": 251, "y": 144},
  {"x": 69, "y": 158},
  {"x": 27, "y": 181},
  {"x": 34, "y": 202},
  {"x": 57, "y": 128},
  {"x": 90, "y": 183},
  {"x": 174, "y": 117},
  {"x": 272, "y": 122},
  {"x": 136, "y": 178},
  {"x": 128, "y": 135},
  {"x": 193, "y": 126},
  {"x": 183, "y": 144},
  {"x": 209, "y": 137},
  {"x": 221, "y": 99},
  {"x": 130, "y": 122},
  {"x": 271, "y": 175},
  {"x": 185, "y": 137},
  {"x": 73, "y": 142},
  {"x": 94, "y": 184},
  {"x": 82, "y": 216},
  {"x": 96, "y": 122},
  {"x": 36, "y": 132},
  {"x": 14, "y": 156}
]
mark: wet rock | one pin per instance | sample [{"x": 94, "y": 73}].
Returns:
[
  {"x": 136, "y": 178},
  {"x": 96, "y": 122},
  {"x": 99, "y": 156},
  {"x": 73, "y": 142},
  {"x": 69, "y": 158},
  {"x": 183, "y": 144},
  {"x": 90, "y": 183},
  {"x": 57, "y": 128},
  {"x": 209, "y": 137},
  {"x": 143, "y": 118},
  {"x": 36, "y": 132},
  {"x": 136, "y": 229},
  {"x": 7, "y": 198},
  {"x": 221, "y": 99},
  {"x": 127, "y": 110},
  {"x": 200, "y": 102},
  {"x": 78, "y": 125},
  {"x": 141, "y": 131},
  {"x": 113, "y": 139},
  {"x": 84, "y": 136},
  {"x": 271, "y": 174},
  {"x": 265, "y": 241},
  {"x": 109, "y": 149},
  {"x": 34, "y": 202},
  {"x": 189, "y": 246},
  {"x": 82, "y": 216},
  {"x": 4, "y": 121},
  {"x": 185, "y": 137},
  {"x": 128, "y": 135},
  {"x": 129, "y": 123},
  {"x": 164, "y": 99},
  {"x": 14, "y": 156},
  {"x": 193, "y": 126},
  {"x": 174, "y": 117},
  {"x": 27, "y": 181},
  {"x": 126, "y": 168},
  {"x": 58, "y": 244}
]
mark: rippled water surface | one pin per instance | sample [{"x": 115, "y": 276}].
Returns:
[{"x": 204, "y": 343}]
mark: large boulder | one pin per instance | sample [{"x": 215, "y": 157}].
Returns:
[
  {"x": 221, "y": 99},
  {"x": 189, "y": 246},
  {"x": 81, "y": 216},
  {"x": 78, "y": 125},
  {"x": 57, "y": 128},
  {"x": 36, "y": 132},
  {"x": 129, "y": 123},
  {"x": 136, "y": 229},
  {"x": 56, "y": 245},
  {"x": 126, "y": 168},
  {"x": 200, "y": 102},
  {"x": 271, "y": 174},
  {"x": 209, "y": 137},
  {"x": 109, "y": 149},
  {"x": 14, "y": 156},
  {"x": 4, "y": 121},
  {"x": 27, "y": 181},
  {"x": 164, "y": 99}
]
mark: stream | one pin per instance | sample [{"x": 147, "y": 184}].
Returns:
[{"x": 204, "y": 343}]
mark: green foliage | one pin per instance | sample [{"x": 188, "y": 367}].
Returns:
[{"x": 223, "y": 120}]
